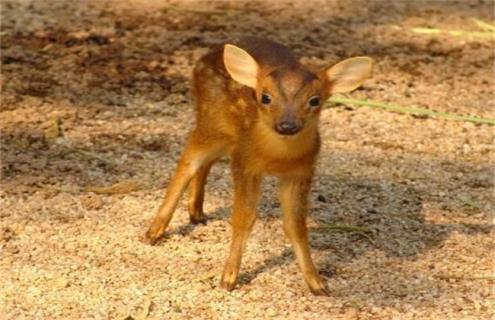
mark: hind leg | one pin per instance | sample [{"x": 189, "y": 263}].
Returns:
[
  {"x": 197, "y": 193},
  {"x": 196, "y": 154}
]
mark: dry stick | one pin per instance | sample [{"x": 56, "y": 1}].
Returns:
[{"x": 412, "y": 110}]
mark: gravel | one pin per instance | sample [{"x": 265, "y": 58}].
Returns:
[{"x": 95, "y": 111}]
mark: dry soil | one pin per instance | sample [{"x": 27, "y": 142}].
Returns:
[{"x": 95, "y": 93}]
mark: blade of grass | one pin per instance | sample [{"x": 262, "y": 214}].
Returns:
[
  {"x": 426, "y": 30},
  {"x": 411, "y": 110},
  {"x": 455, "y": 33},
  {"x": 484, "y": 25}
]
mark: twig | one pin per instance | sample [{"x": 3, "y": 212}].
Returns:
[
  {"x": 367, "y": 237},
  {"x": 412, "y": 110}
]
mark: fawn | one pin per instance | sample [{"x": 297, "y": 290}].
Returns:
[{"x": 258, "y": 105}]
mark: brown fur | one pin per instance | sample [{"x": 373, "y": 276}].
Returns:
[{"x": 231, "y": 121}]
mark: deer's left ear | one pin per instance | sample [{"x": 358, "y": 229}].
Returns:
[{"x": 348, "y": 74}]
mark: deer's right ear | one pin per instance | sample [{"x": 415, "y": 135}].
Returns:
[
  {"x": 240, "y": 65},
  {"x": 349, "y": 74}
]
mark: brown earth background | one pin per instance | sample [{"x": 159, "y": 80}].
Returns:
[{"x": 95, "y": 93}]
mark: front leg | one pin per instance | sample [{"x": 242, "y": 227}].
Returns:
[
  {"x": 294, "y": 193},
  {"x": 246, "y": 194}
]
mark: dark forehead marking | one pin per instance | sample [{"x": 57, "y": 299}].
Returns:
[{"x": 303, "y": 77}]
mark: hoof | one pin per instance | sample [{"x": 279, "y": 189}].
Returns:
[
  {"x": 229, "y": 280},
  {"x": 151, "y": 237},
  {"x": 198, "y": 220},
  {"x": 322, "y": 291},
  {"x": 229, "y": 286}
]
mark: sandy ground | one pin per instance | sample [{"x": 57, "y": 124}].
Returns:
[{"x": 96, "y": 93}]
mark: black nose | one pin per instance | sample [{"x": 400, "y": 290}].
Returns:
[{"x": 287, "y": 128}]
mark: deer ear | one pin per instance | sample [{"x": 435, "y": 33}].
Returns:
[
  {"x": 348, "y": 74},
  {"x": 240, "y": 65}
]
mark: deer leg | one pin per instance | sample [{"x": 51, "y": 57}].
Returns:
[
  {"x": 246, "y": 194},
  {"x": 197, "y": 192},
  {"x": 294, "y": 202},
  {"x": 196, "y": 154}
]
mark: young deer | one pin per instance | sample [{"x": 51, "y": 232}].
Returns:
[{"x": 257, "y": 104}]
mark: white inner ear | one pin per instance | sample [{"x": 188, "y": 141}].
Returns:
[
  {"x": 240, "y": 65},
  {"x": 349, "y": 74}
]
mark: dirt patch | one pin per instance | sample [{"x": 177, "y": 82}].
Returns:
[{"x": 95, "y": 94}]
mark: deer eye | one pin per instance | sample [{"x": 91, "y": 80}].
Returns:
[
  {"x": 266, "y": 99},
  {"x": 314, "y": 101}
]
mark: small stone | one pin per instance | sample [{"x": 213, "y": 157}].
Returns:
[
  {"x": 371, "y": 211},
  {"x": 61, "y": 282},
  {"x": 97, "y": 39},
  {"x": 152, "y": 65},
  {"x": 79, "y": 35}
]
